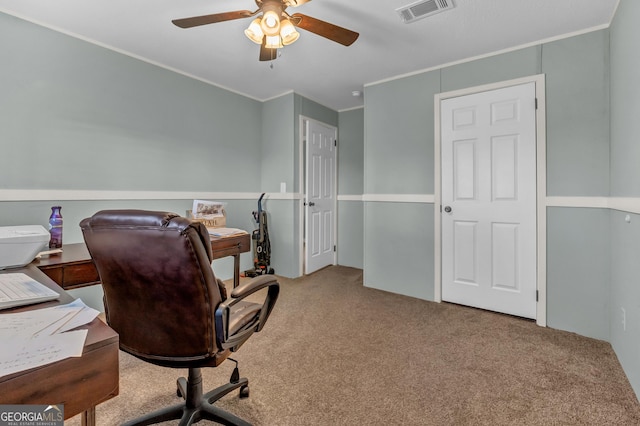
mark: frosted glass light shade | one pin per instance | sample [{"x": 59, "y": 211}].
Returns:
[
  {"x": 254, "y": 32},
  {"x": 273, "y": 42},
  {"x": 288, "y": 32},
  {"x": 270, "y": 23}
]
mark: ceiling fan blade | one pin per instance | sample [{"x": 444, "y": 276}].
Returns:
[
  {"x": 267, "y": 54},
  {"x": 325, "y": 29},
  {"x": 211, "y": 19},
  {"x": 296, "y": 3}
]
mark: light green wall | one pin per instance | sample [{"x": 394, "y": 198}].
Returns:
[
  {"x": 399, "y": 133},
  {"x": 577, "y": 71},
  {"x": 399, "y": 249},
  {"x": 278, "y": 164},
  {"x": 351, "y": 152},
  {"x": 350, "y": 183},
  {"x": 625, "y": 293},
  {"x": 625, "y": 101},
  {"x": 83, "y": 117},
  {"x": 519, "y": 63},
  {"x": 351, "y": 233},
  {"x": 77, "y": 116},
  {"x": 578, "y": 271},
  {"x": 578, "y": 267},
  {"x": 278, "y": 144},
  {"x": 398, "y": 129},
  {"x": 625, "y": 182},
  {"x": 399, "y": 159}
]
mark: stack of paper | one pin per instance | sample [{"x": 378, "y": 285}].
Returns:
[
  {"x": 225, "y": 232},
  {"x": 41, "y": 336}
]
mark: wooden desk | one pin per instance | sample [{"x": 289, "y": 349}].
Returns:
[
  {"x": 231, "y": 246},
  {"x": 73, "y": 268},
  {"x": 78, "y": 383}
]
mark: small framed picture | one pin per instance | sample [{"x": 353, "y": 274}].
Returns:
[{"x": 203, "y": 209}]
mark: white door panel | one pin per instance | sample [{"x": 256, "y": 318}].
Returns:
[
  {"x": 488, "y": 154},
  {"x": 465, "y": 252}
]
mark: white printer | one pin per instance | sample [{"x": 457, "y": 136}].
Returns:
[{"x": 19, "y": 245}]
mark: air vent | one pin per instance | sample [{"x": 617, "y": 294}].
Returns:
[{"x": 422, "y": 9}]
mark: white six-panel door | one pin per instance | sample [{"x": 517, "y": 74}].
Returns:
[
  {"x": 488, "y": 196},
  {"x": 320, "y": 196}
]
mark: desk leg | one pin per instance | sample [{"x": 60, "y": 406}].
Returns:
[
  {"x": 88, "y": 418},
  {"x": 236, "y": 270}
]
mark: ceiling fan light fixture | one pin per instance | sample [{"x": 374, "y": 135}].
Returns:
[
  {"x": 270, "y": 23},
  {"x": 288, "y": 32},
  {"x": 254, "y": 31},
  {"x": 273, "y": 42},
  {"x": 273, "y": 28}
]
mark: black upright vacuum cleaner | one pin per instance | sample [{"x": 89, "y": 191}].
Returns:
[{"x": 261, "y": 244}]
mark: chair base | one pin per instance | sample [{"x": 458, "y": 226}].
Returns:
[{"x": 197, "y": 406}]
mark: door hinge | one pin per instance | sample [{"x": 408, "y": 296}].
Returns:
[
  {"x": 335, "y": 142},
  {"x": 334, "y": 248},
  {"x": 536, "y": 295},
  {"x": 536, "y": 103}
]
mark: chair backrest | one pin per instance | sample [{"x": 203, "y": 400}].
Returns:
[{"x": 160, "y": 291}]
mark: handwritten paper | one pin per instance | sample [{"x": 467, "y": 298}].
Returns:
[
  {"x": 41, "y": 336},
  {"x": 23, "y": 354}
]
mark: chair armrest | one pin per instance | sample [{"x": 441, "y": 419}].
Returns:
[
  {"x": 223, "y": 312},
  {"x": 253, "y": 285}
]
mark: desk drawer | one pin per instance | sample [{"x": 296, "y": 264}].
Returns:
[
  {"x": 230, "y": 246},
  {"x": 74, "y": 275}
]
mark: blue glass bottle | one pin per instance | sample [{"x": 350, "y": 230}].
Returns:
[{"x": 55, "y": 227}]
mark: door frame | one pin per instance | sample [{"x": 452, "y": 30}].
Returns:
[
  {"x": 302, "y": 171},
  {"x": 541, "y": 185}
]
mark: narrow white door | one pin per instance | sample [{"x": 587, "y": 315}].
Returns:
[
  {"x": 488, "y": 149},
  {"x": 320, "y": 196}
]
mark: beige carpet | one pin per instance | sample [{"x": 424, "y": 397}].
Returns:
[{"x": 337, "y": 353}]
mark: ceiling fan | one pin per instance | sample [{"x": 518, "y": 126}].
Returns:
[{"x": 275, "y": 28}]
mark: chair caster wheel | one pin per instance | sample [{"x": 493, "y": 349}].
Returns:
[
  {"x": 181, "y": 387},
  {"x": 244, "y": 392}
]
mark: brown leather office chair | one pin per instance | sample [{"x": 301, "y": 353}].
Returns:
[{"x": 163, "y": 299}]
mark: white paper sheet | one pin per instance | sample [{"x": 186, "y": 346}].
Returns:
[
  {"x": 38, "y": 337},
  {"x": 24, "y": 354},
  {"x": 225, "y": 232}
]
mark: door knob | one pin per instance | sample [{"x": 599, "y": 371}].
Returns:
[
  {"x": 312, "y": 204},
  {"x": 447, "y": 209}
]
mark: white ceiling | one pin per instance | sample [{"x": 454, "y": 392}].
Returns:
[{"x": 314, "y": 67}]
